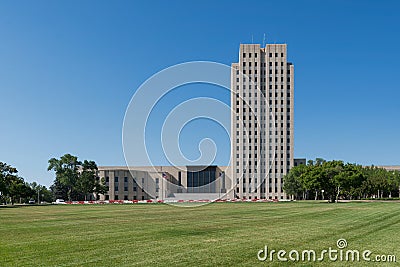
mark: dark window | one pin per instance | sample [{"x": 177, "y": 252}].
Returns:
[
  {"x": 116, "y": 179},
  {"x": 201, "y": 181},
  {"x": 125, "y": 179}
]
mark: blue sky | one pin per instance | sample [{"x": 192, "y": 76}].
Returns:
[{"x": 69, "y": 68}]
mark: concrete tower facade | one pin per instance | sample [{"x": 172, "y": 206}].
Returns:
[{"x": 262, "y": 124}]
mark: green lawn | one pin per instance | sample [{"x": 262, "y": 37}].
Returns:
[{"x": 220, "y": 234}]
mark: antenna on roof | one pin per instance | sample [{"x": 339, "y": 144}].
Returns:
[{"x": 264, "y": 41}]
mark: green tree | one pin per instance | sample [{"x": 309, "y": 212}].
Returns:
[
  {"x": 74, "y": 179},
  {"x": 100, "y": 186},
  {"x": 87, "y": 178},
  {"x": 292, "y": 183},
  {"x": 377, "y": 181},
  {"x": 66, "y": 169},
  {"x": 12, "y": 187},
  {"x": 41, "y": 193},
  {"x": 7, "y": 175}
]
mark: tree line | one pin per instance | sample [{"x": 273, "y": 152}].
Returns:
[
  {"x": 14, "y": 189},
  {"x": 74, "y": 180},
  {"x": 334, "y": 180}
]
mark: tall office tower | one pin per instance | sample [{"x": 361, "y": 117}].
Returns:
[{"x": 262, "y": 86}]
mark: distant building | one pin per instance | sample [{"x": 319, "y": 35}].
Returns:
[
  {"x": 298, "y": 162},
  {"x": 390, "y": 168},
  {"x": 164, "y": 182}
]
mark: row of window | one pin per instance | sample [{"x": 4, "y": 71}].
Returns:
[
  {"x": 116, "y": 188},
  {"x": 265, "y": 72},
  {"x": 263, "y": 87},
  {"x": 255, "y": 110},
  {"x": 270, "y": 141},
  {"x": 249, "y": 163},
  {"x": 270, "y": 155},
  {"x": 254, "y": 178},
  {"x": 255, "y": 190},
  {"x": 255, "y": 55},
  {"x": 264, "y": 79},
  {"x": 256, "y": 124},
  {"x": 116, "y": 197},
  {"x": 255, "y": 95},
  {"x": 270, "y": 55},
  {"x": 249, "y": 117},
  {"x": 270, "y": 124},
  {"x": 262, "y": 196},
  {"x": 116, "y": 179},
  {"x": 270, "y": 171},
  {"x": 247, "y": 139},
  {"x": 264, "y": 64},
  {"x": 249, "y": 133}
]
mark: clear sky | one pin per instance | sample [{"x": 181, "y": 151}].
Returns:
[{"x": 68, "y": 70}]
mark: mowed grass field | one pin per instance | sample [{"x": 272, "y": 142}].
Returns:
[{"x": 219, "y": 234}]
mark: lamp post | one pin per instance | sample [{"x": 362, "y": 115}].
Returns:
[{"x": 323, "y": 194}]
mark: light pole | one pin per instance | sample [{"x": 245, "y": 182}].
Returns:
[{"x": 323, "y": 194}]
